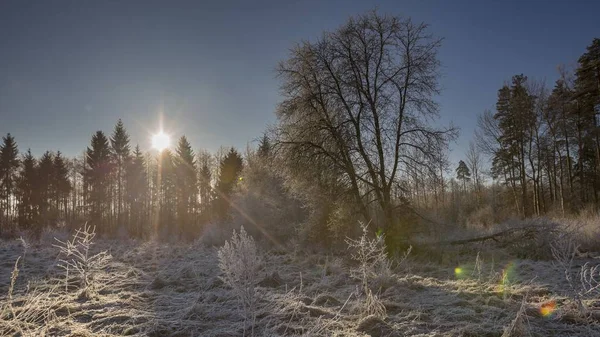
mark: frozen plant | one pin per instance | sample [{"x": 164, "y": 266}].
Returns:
[
  {"x": 78, "y": 260},
  {"x": 564, "y": 252},
  {"x": 240, "y": 263},
  {"x": 25, "y": 246},
  {"x": 370, "y": 255},
  {"x": 26, "y": 314},
  {"x": 589, "y": 277},
  {"x": 372, "y": 305},
  {"x": 372, "y": 263},
  {"x": 519, "y": 326}
]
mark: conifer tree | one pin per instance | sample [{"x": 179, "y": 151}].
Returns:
[
  {"x": 27, "y": 187},
  {"x": 45, "y": 188},
  {"x": 137, "y": 192},
  {"x": 120, "y": 158},
  {"x": 167, "y": 199},
  {"x": 9, "y": 164},
  {"x": 264, "y": 146},
  {"x": 97, "y": 177},
  {"x": 515, "y": 117},
  {"x": 229, "y": 173},
  {"x": 204, "y": 185},
  {"x": 559, "y": 119},
  {"x": 61, "y": 184},
  {"x": 463, "y": 174},
  {"x": 587, "y": 97},
  {"x": 186, "y": 186}
]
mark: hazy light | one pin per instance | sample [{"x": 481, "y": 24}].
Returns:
[{"x": 161, "y": 141}]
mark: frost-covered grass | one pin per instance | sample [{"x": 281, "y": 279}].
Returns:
[{"x": 154, "y": 289}]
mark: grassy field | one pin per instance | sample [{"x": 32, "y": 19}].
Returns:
[{"x": 152, "y": 289}]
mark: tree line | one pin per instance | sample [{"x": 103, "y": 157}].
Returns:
[
  {"x": 543, "y": 148},
  {"x": 544, "y": 143},
  {"x": 120, "y": 190}
]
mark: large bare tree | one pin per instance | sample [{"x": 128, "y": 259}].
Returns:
[{"x": 358, "y": 103}]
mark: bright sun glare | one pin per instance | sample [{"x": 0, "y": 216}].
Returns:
[{"x": 160, "y": 141}]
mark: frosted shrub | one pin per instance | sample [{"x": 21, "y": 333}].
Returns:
[
  {"x": 372, "y": 263},
  {"x": 370, "y": 255},
  {"x": 78, "y": 261},
  {"x": 240, "y": 264}
]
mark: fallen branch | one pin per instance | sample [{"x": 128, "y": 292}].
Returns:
[{"x": 526, "y": 231}]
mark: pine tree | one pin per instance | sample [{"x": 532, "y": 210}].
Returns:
[
  {"x": 229, "y": 173},
  {"x": 120, "y": 157},
  {"x": 515, "y": 115},
  {"x": 587, "y": 97},
  {"x": 27, "y": 191},
  {"x": 9, "y": 164},
  {"x": 560, "y": 120},
  {"x": 186, "y": 185},
  {"x": 587, "y": 82},
  {"x": 97, "y": 177},
  {"x": 137, "y": 192},
  {"x": 463, "y": 174}
]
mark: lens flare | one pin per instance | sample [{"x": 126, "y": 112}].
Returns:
[
  {"x": 508, "y": 274},
  {"x": 508, "y": 278},
  {"x": 548, "y": 308},
  {"x": 161, "y": 141}
]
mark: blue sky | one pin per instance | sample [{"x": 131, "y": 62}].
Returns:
[{"x": 69, "y": 68}]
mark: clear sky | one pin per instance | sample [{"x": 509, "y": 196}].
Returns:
[{"x": 69, "y": 68}]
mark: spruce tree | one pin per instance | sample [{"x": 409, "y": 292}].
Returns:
[
  {"x": 229, "y": 173},
  {"x": 46, "y": 187},
  {"x": 136, "y": 192},
  {"x": 97, "y": 177},
  {"x": 120, "y": 157},
  {"x": 186, "y": 186},
  {"x": 264, "y": 146},
  {"x": 204, "y": 185},
  {"x": 62, "y": 185},
  {"x": 27, "y": 191},
  {"x": 9, "y": 164},
  {"x": 166, "y": 196}
]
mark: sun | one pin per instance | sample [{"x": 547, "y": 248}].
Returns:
[{"x": 161, "y": 141}]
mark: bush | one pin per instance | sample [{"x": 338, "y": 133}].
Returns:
[
  {"x": 240, "y": 264},
  {"x": 373, "y": 264},
  {"x": 79, "y": 261},
  {"x": 370, "y": 255}
]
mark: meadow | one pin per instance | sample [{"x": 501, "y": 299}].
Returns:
[{"x": 135, "y": 288}]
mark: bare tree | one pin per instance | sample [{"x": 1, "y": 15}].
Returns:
[
  {"x": 474, "y": 162},
  {"x": 487, "y": 135},
  {"x": 358, "y": 102}
]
